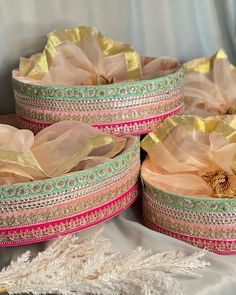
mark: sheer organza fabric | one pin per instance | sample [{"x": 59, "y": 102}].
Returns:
[
  {"x": 72, "y": 67},
  {"x": 176, "y": 164},
  {"x": 212, "y": 91},
  {"x": 81, "y": 61},
  {"x": 58, "y": 149},
  {"x": 79, "y": 64}
]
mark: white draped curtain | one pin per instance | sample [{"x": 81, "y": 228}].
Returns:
[{"x": 182, "y": 28}]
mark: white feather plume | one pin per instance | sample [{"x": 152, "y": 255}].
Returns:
[{"x": 92, "y": 266}]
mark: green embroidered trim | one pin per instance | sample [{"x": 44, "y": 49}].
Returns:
[
  {"x": 111, "y": 91},
  {"x": 190, "y": 204},
  {"x": 71, "y": 181}
]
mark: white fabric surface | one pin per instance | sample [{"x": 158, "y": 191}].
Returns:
[
  {"x": 179, "y": 28},
  {"x": 126, "y": 233}
]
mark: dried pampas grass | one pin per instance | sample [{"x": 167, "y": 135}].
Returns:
[{"x": 69, "y": 266}]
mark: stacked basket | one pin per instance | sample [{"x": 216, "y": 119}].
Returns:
[
  {"x": 124, "y": 108},
  {"x": 44, "y": 209},
  {"x": 205, "y": 217}
]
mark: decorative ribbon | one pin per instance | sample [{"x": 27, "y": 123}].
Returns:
[
  {"x": 38, "y": 65},
  {"x": 27, "y": 161}
]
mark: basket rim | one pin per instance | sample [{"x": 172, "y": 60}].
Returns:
[
  {"x": 66, "y": 176},
  {"x": 180, "y": 70},
  {"x": 185, "y": 197}
]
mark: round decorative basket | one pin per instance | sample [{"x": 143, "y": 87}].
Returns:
[
  {"x": 205, "y": 223},
  {"x": 41, "y": 210},
  {"x": 123, "y": 108}
]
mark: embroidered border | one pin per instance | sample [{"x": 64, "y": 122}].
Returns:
[
  {"x": 119, "y": 90},
  {"x": 69, "y": 182},
  {"x": 42, "y": 232},
  {"x": 122, "y": 108},
  {"x": 225, "y": 247}
]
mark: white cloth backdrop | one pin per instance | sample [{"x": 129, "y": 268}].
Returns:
[{"x": 180, "y": 28}]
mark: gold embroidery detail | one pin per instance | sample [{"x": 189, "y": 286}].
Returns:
[
  {"x": 55, "y": 213},
  {"x": 105, "y": 104},
  {"x": 102, "y": 118},
  {"x": 220, "y": 182},
  {"x": 190, "y": 216},
  {"x": 229, "y": 194},
  {"x": 45, "y": 233},
  {"x": 214, "y": 246},
  {"x": 193, "y": 204},
  {"x": 173, "y": 225}
]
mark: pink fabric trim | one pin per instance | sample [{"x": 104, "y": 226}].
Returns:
[
  {"x": 33, "y": 122},
  {"x": 120, "y": 124},
  {"x": 212, "y": 227},
  {"x": 63, "y": 221},
  {"x": 176, "y": 98},
  {"x": 78, "y": 200},
  {"x": 159, "y": 117},
  {"x": 196, "y": 241}
]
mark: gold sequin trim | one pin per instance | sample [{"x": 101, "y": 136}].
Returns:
[
  {"x": 68, "y": 210},
  {"x": 190, "y": 216},
  {"x": 44, "y": 233},
  {"x": 197, "y": 230},
  {"x": 103, "y": 118}
]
